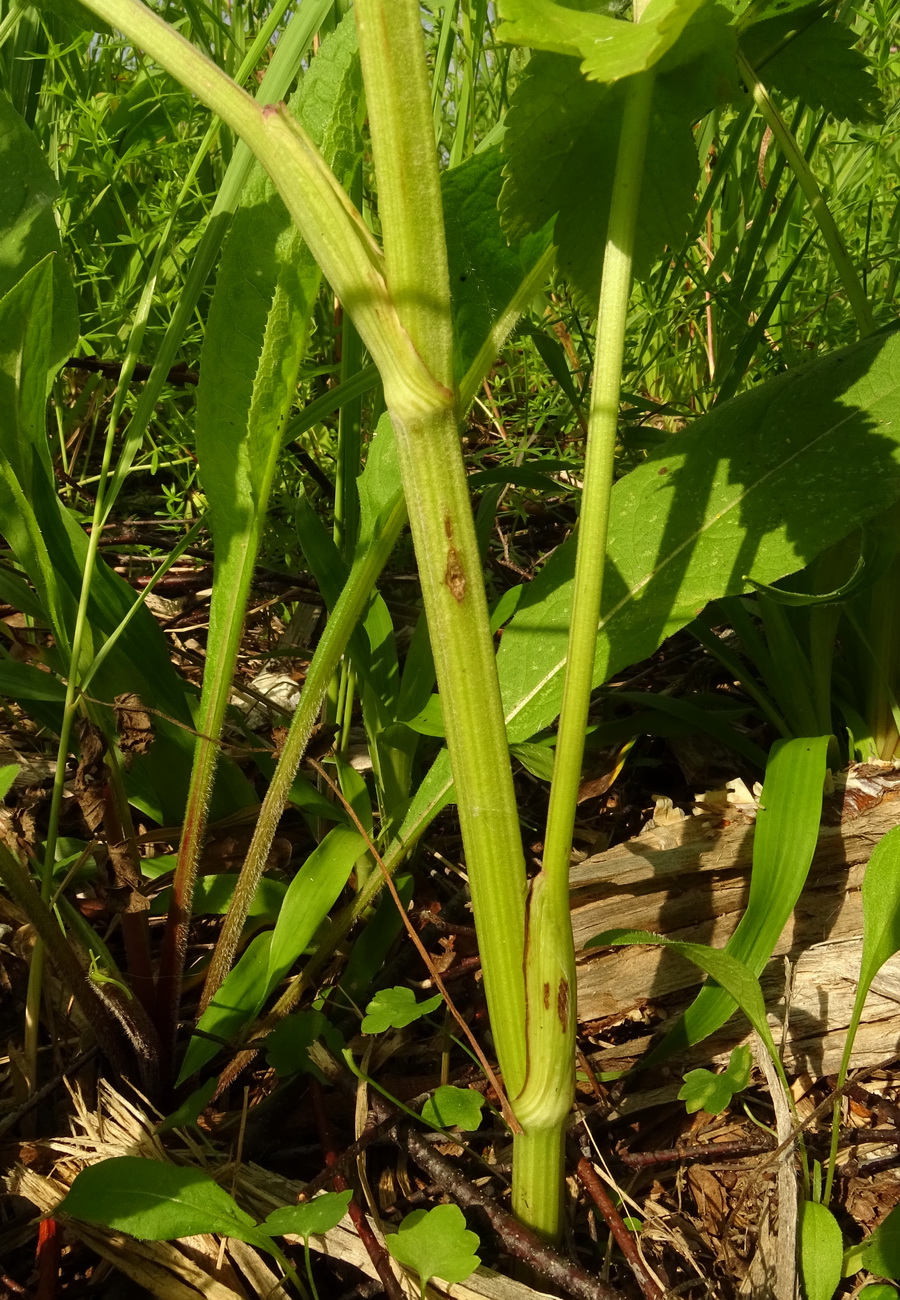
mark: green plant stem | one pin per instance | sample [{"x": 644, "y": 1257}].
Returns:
[
  {"x": 440, "y": 512},
  {"x": 834, "y": 242},
  {"x": 545, "y": 1102},
  {"x": 329, "y": 223},
  {"x": 347, "y": 612}
]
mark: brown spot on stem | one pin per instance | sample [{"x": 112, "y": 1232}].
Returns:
[
  {"x": 562, "y": 1003},
  {"x": 454, "y": 577},
  {"x": 448, "y": 525},
  {"x": 546, "y": 997}
]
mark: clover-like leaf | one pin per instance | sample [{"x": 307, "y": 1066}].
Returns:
[
  {"x": 395, "y": 1009},
  {"x": 454, "y": 1108},
  {"x": 436, "y": 1243},
  {"x": 703, "y": 1090},
  {"x": 318, "y": 1215}
]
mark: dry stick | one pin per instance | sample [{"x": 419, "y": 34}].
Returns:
[
  {"x": 623, "y": 1238},
  {"x": 511, "y": 1120},
  {"x": 518, "y": 1241},
  {"x": 376, "y": 1251}
]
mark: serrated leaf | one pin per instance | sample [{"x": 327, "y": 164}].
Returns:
[
  {"x": 436, "y": 1243},
  {"x": 703, "y": 1090},
  {"x": 395, "y": 1009},
  {"x": 609, "y": 48},
  {"x": 819, "y": 66},
  {"x": 485, "y": 270},
  {"x": 155, "y": 1201},
  {"x": 821, "y": 1251},
  {"x": 318, "y": 1215},
  {"x": 454, "y": 1108},
  {"x": 562, "y": 140}
]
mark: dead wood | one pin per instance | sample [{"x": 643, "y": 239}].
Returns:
[{"x": 688, "y": 879}]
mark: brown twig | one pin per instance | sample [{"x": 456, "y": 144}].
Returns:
[
  {"x": 695, "y": 1151},
  {"x": 377, "y": 1253},
  {"x": 623, "y": 1238},
  {"x": 518, "y": 1241},
  {"x": 178, "y": 375}
]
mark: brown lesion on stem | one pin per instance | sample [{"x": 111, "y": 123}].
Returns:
[
  {"x": 546, "y": 997},
  {"x": 562, "y": 1003},
  {"x": 448, "y": 525},
  {"x": 454, "y": 576}
]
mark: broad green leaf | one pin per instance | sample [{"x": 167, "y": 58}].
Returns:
[
  {"x": 267, "y": 958},
  {"x": 821, "y": 1251},
  {"x": 881, "y": 925},
  {"x": 234, "y": 1006},
  {"x": 436, "y": 1243},
  {"x": 8, "y": 774},
  {"x": 155, "y": 1201},
  {"x": 395, "y": 1009},
  {"x": 787, "y": 828},
  {"x": 735, "y": 978},
  {"x": 28, "y": 231},
  {"x": 321, "y": 1214},
  {"x": 187, "y": 1114},
  {"x": 878, "y": 1291},
  {"x": 310, "y": 897},
  {"x": 213, "y": 895},
  {"x": 609, "y": 47},
  {"x": 20, "y": 681},
  {"x": 717, "y": 505},
  {"x": 703, "y": 1090},
  {"x": 562, "y": 139},
  {"x": 287, "y": 1047},
  {"x": 485, "y": 270},
  {"x": 819, "y": 66},
  {"x": 881, "y": 1251},
  {"x": 454, "y": 1108}
]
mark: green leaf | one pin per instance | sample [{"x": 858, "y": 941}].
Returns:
[
  {"x": 819, "y": 66},
  {"x": 821, "y": 1251},
  {"x": 287, "y": 1047},
  {"x": 881, "y": 1251},
  {"x": 8, "y": 774},
  {"x": 436, "y": 1243},
  {"x": 256, "y": 338},
  {"x": 562, "y": 139},
  {"x": 485, "y": 270},
  {"x": 20, "y": 681},
  {"x": 395, "y": 1009},
  {"x": 155, "y": 1201},
  {"x": 609, "y": 47},
  {"x": 318, "y": 1215},
  {"x": 308, "y": 900},
  {"x": 454, "y": 1108},
  {"x": 878, "y": 1291},
  {"x": 718, "y": 504},
  {"x": 28, "y": 231},
  {"x": 881, "y": 926},
  {"x": 703, "y": 1090},
  {"x": 310, "y": 897},
  {"x": 787, "y": 828},
  {"x": 735, "y": 978},
  {"x": 190, "y": 1110}
]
